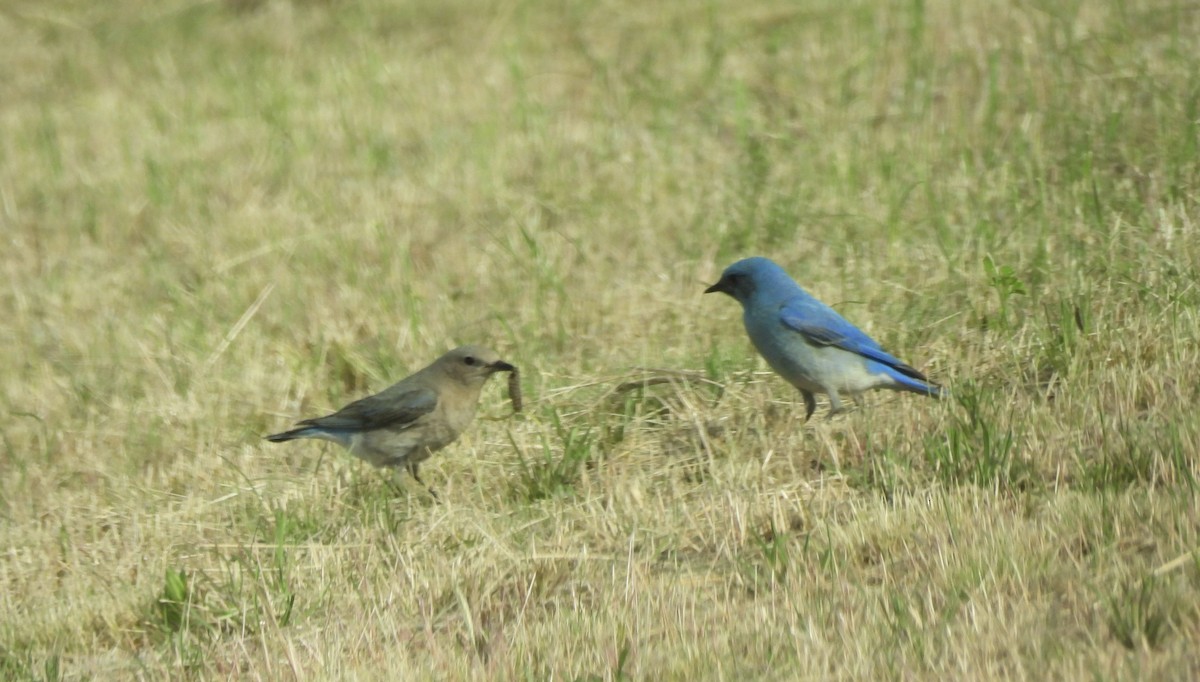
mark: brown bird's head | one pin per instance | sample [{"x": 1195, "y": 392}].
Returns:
[{"x": 472, "y": 365}]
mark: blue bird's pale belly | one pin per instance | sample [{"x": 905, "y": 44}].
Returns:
[{"x": 812, "y": 368}]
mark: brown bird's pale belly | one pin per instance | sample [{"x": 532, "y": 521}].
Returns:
[{"x": 402, "y": 447}]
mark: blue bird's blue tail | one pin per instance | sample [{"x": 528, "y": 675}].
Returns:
[
  {"x": 923, "y": 387},
  {"x": 909, "y": 379}
]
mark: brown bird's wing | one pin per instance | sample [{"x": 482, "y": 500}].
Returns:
[{"x": 386, "y": 409}]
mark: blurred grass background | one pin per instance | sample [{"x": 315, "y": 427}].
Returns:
[{"x": 220, "y": 216}]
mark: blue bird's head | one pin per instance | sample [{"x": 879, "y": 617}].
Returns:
[{"x": 749, "y": 276}]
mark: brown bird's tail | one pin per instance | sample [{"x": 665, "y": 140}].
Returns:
[{"x": 306, "y": 432}]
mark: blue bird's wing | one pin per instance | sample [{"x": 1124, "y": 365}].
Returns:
[
  {"x": 386, "y": 409},
  {"x": 822, "y": 326}
]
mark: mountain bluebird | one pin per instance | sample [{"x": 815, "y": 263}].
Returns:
[
  {"x": 807, "y": 343},
  {"x": 404, "y": 424}
]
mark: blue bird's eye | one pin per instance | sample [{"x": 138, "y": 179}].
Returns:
[{"x": 470, "y": 360}]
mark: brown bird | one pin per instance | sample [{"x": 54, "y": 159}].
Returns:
[{"x": 403, "y": 425}]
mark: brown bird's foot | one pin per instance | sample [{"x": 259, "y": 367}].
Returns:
[{"x": 395, "y": 483}]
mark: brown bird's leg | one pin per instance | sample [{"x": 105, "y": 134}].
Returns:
[{"x": 412, "y": 469}]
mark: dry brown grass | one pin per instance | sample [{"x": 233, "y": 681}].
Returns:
[{"x": 220, "y": 215}]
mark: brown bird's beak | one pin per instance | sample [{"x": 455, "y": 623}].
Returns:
[{"x": 502, "y": 366}]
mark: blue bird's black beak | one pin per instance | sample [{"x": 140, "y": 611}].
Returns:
[
  {"x": 502, "y": 366},
  {"x": 718, "y": 287}
]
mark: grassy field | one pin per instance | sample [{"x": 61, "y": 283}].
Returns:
[{"x": 220, "y": 216}]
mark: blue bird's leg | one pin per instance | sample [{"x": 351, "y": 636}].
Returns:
[{"x": 835, "y": 403}]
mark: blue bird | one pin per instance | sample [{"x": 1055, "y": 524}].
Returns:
[{"x": 808, "y": 343}]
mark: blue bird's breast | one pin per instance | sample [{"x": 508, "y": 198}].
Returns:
[{"x": 784, "y": 350}]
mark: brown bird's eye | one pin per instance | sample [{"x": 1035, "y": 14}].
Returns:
[{"x": 470, "y": 360}]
